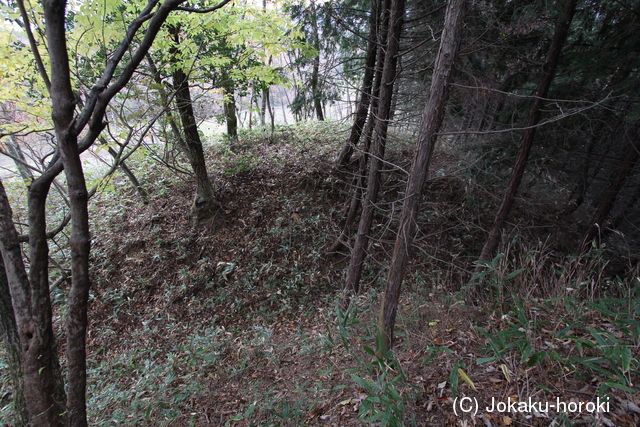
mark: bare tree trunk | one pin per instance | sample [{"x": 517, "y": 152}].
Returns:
[
  {"x": 63, "y": 105},
  {"x": 11, "y": 341},
  {"x": 360, "y": 180},
  {"x": 43, "y": 385},
  {"x": 270, "y": 109},
  {"x": 253, "y": 91},
  {"x": 30, "y": 298},
  {"x": 358, "y": 255},
  {"x": 263, "y": 108},
  {"x": 231, "y": 118},
  {"x": 316, "y": 94},
  {"x": 367, "y": 84},
  {"x": 204, "y": 203},
  {"x": 548, "y": 71},
  {"x": 429, "y": 127},
  {"x": 164, "y": 96}
]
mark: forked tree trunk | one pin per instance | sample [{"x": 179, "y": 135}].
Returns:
[
  {"x": 429, "y": 127},
  {"x": 548, "y": 71},
  {"x": 365, "y": 93},
  {"x": 358, "y": 254},
  {"x": 30, "y": 298},
  {"x": 43, "y": 385},
  {"x": 63, "y": 106}
]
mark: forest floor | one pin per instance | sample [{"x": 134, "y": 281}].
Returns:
[{"x": 239, "y": 324}]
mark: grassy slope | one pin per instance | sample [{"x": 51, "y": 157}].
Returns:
[{"x": 239, "y": 326}]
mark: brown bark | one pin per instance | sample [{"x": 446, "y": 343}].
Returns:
[
  {"x": 272, "y": 118},
  {"x": 204, "y": 204},
  {"x": 358, "y": 255},
  {"x": 43, "y": 385},
  {"x": 32, "y": 309},
  {"x": 231, "y": 119},
  {"x": 429, "y": 126},
  {"x": 63, "y": 103},
  {"x": 365, "y": 93},
  {"x": 548, "y": 71},
  {"x": 11, "y": 342},
  {"x": 316, "y": 94},
  {"x": 360, "y": 179}
]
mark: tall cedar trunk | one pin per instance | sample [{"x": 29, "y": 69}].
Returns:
[
  {"x": 63, "y": 105},
  {"x": 360, "y": 179},
  {"x": 378, "y": 147},
  {"x": 611, "y": 193},
  {"x": 548, "y": 71},
  {"x": 363, "y": 161},
  {"x": 11, "y": 342},
  {"x": 204, "y": 204},
  {"x": 317, "y": 96},
  {"x": 429, "y": 127},
  {"x": 365, "y": 93}
]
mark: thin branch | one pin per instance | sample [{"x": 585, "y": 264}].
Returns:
[
  {"x": 2, "y": 135},
  {"x": 19, "y": 160},
  {"x": 568, "y": 113},
  {"x": 112, "y": 64},
  {"x": 529, "y": 96},
  {"x": 207, "y": 10},
  {"x": 34, "y": 47}
]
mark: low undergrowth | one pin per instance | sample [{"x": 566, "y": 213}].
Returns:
[{"x": 240, "y": 324}]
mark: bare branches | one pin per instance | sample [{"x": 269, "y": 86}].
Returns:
[
  {"x": 113, "y": 62},
  {"x": 563, "y": 113}
]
